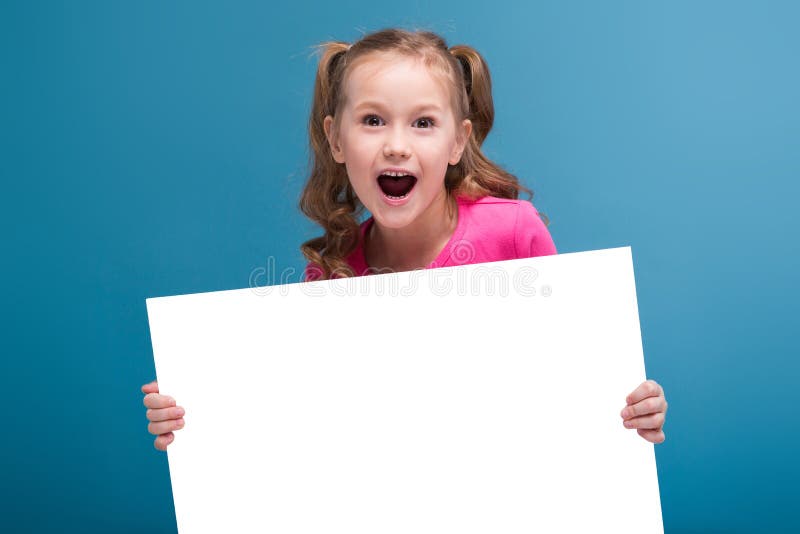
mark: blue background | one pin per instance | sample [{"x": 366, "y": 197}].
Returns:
[{"x": 158, "y": 148}]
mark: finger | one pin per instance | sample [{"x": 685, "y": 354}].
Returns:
[
  {"x": 154, "y": 400},
  {"x": 653, "y": 436},
  {"x": 648, "y": 388},
  {"x": 152, "y": 387},
  {"x": 164, "y": 414},
  {"x": 646, "y": 422},
  {"x": 161, "y": 442},
  {"x": 645, "y": 407},
  {"x": 162, "y": 427}
]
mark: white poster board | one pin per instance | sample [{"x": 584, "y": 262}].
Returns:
[{"x": 476, "y": 399}]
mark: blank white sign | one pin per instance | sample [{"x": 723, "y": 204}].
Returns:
[{"x": 476, "y": 399}]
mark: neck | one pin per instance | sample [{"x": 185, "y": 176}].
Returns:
[{"x": 414, "y": 246}]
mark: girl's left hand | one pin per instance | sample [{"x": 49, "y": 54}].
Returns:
[{"x": 646, "y": 411}]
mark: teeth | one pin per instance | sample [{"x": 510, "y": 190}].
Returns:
[{"x": 391, "y": 173}]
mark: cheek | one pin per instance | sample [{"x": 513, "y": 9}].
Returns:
[
  {"x": 358, "y": 176},
  {"x": 363, "y": 149},
  {"x": 359, "y": 156},
  {"x": 434, "y": 160}
]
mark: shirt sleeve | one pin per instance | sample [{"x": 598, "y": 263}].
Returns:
[{"x": 531, "y": 237}]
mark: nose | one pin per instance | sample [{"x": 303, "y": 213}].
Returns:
[{"x": 396, "y": 144}]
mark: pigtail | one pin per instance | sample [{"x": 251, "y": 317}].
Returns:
[
  {"x": 476, "y": 175},
  {"x": 329, "y": 66},
  {"x": 328, "y": 198},
  {"x": 478, "y": 86}
]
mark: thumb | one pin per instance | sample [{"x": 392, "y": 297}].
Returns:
[{"x": 152, "y": 387}]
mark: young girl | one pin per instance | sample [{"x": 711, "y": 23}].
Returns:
[{"x": 396, "y": 126}]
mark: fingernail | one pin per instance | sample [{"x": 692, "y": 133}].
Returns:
[
  {"x": 628, "y": 424},
  {"x": 180, "y": 422},
  {"x": 180, "y": 412},
  {"x": 625, "y": 413}
]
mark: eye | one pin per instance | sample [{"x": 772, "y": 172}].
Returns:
[
  {"x": 370, "y": 120},
  {"x": 428, "y": 121}
]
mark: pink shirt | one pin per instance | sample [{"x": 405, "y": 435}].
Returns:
[{"x": 488, "y": 229}]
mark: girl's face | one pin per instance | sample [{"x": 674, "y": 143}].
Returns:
[{"x": 397, "y": 117}]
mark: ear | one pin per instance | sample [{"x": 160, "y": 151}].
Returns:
[
  {"x": 461, "y": 141},
  {"x": 333, "y": 140}
]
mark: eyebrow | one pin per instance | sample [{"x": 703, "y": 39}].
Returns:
[{"x": 421, "y": 107}]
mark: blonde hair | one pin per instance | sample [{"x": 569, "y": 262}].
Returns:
[{"x": 329, "y": 199}]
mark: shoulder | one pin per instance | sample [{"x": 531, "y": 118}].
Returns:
[
  {"x": 501, "y": 214},
  {"x": 491, "y": 213},
  {"x": 531, "y": 236},
  {"x": 513, "y": 221}
]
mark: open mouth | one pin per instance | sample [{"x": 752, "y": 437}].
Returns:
[{"x": 396, "y": 187}]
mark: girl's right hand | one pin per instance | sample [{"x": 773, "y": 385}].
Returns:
[{"x": 163, "y": 414}]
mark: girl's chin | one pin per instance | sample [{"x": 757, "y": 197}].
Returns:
[{"x": 392, "y": 219}]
